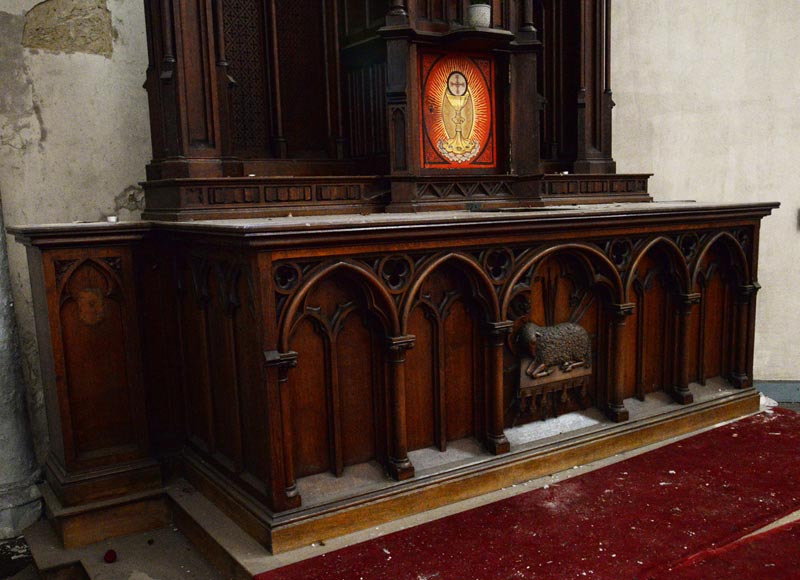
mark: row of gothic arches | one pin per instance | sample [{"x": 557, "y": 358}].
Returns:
[
  {"x": 687, "y": 272},
  {"x": 454, "y": 315}
]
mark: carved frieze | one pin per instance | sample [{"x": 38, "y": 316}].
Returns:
[
  {"x": 464, "y": 189},
  {"x": 510, "y": 271}
]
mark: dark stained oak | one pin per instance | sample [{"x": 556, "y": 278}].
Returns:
[
  {"x": 352, "y": 209},
  {"x": 309, "y": 345}
]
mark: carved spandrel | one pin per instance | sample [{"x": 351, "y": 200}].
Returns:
[{"x": 61, "y": 268}]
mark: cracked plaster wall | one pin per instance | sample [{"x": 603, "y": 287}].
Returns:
[
  {"x": 707, "y": 99},
  {"x": 74, "y": 132},
  {"x": 69, "y": 26}
]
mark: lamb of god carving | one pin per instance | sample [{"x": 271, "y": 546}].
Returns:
[
  {"x": 555, "y": 369},
  {"x": 564, "y": 346}
]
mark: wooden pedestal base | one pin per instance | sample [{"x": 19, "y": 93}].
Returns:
[
  {"x": 74, "y": 489},
  {"x": 92, "y": 522}
]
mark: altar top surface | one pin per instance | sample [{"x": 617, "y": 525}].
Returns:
[{"x": 415, "y": 222}]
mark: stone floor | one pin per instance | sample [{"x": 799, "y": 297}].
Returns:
[{"x": 167, "y": 555}]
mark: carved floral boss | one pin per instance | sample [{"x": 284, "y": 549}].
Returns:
[{"x": 457, "y": 111}]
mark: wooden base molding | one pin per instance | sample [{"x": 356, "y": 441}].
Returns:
[
  {"x": 298, "y": 528},
  {"x": 101, "y": 520},
  {"x": 106, "y": 483}
]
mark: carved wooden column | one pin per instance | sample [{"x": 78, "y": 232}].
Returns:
[
  {"x": 284, "y": 361},
  {"x": 744, "y": 298},
  {"x": 681, "y": 392},
  {"x": 183, "y": 88},
  {"x": 496, "y": 440},
  {"x": 594, "y": 102},
  {"x": 399, "y": 465},
  {"x": 524, "y": 154},
  {"x": 527, "y": 24},
  {"x": 616, "y": 406},
  {"x": 224, "y": 82},
  {"x": 399, "y": 109}
]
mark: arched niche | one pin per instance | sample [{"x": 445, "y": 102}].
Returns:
[
  {"x": 720, "y": 269},
  {"x": 93, "y": 323},
  {"x": 447, "y": 383},
  {"x": 657, "y": 278},
  {"x": 562, "y": 284},
  {"x": 337, "y": 409}
]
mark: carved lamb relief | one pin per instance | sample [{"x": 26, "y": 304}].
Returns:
[{"x": 555, "y": 363}]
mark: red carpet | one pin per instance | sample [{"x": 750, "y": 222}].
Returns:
[
  {"x": 774, "y": 555},
  {"x": 632, "y": 520}
]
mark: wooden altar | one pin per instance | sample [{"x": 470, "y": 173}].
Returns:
[{"x": 345, "y": 230}]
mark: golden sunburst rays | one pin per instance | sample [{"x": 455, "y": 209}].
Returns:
[{"x": 458, "y": 125}]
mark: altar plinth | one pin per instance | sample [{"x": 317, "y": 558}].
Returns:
[{"x": 255, "y": 356}]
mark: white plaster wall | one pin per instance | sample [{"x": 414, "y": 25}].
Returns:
[
  {"x": 708, "y": 99},
  {"x": 74, "y": 141}
]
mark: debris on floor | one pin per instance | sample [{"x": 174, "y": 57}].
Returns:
[{"x": 15, "y": 555}]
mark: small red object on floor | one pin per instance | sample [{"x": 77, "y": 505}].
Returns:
[{"x": 110, "y": 557}]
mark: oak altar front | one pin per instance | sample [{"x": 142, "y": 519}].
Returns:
[{"x": 386, "y": 264}]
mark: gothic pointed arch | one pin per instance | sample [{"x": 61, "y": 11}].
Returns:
[
  {"x": 739, "y": 262},
  {"x": 449, "y": 306},
  {"x": 378, "y": 298},
  {"x": 597, "y": 266},
  {"x": 720, "y": 272},
  {"x": 338, "y": 314},
  {"x": 480, "y": 285},
  {"x": 677, "y": 263}
]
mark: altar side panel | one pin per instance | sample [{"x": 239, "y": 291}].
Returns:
[
  {"x": 309, "y": 402},
  {"x": 655, "y": 326},
  {"x": 630, "y": 344},
  {"x": 92, "y": 321},
  {"x": 195, "y": 353},
  {"x": 222, "y": 366},
  {"x": 358, "y": 399},
  {"x": 461, "y": 378},
  {"x": 252, "y": 383},
  {"x": 421, "y": 380},
  {"x": 717, "y": 309},
  {"x": 657, "y": 317},
  {"x": 561, "y": 292},
  {"x": 163, "y": 374}
]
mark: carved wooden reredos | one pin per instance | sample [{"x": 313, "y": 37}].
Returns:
[{"x": 247, "y": 96}]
